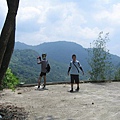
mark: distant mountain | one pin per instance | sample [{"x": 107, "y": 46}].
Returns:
[
  {"x": 23, "y": 62},
  {"x": 22, "y": 46},
  {"x": 59, "y": 51},
  {"x": 62, "y": 51},
  {"x": 24, "y": 66}
]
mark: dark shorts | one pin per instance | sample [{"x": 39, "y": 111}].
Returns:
[
  {"x": 42, "y": 74},
  {"x": 75, "y": 78}
]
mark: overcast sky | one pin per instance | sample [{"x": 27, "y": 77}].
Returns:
[{"x": 79, "y": 21}]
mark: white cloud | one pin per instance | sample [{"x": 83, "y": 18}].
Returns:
[
  {"x": 71, "y": 20},
  {"x": 104, "y": 1},
  {"x": 60, "y": 22},
  {"x": 27, "y": 13},
  {"x": 111, "y": 16},
  {"x": 3, "y": 7}
]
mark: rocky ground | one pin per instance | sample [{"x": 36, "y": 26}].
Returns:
[
  {"x": 100, "y": 101},
  {"x": 11, "y": 112}
]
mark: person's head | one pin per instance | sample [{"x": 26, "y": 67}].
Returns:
[
  {"x": 44, "y": 56},
  {"x": 74, "y": 57}
]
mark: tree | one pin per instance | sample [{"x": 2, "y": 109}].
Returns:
[
  {"x": 117, "y": 74},
  {"x": 7, "y": 37},
  {"x": 100, "y": 59}
]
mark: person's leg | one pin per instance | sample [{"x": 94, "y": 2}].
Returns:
[
  {"x": 44, "y": 82},
  {"x": 39, "y": 81},
  {"x": 71, "y": 87},
  {"x": 77, "y": 82},
  {"x": 72, "y": 82},
  {"x": 77, "y": 86}
]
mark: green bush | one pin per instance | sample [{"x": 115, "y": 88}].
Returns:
[{"x": 10, "y": 80}]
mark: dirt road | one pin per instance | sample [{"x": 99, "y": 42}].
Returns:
[{"x": 99, "y": 101}]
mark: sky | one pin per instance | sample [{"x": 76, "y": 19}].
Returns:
[{"x": 79, "y": 21}]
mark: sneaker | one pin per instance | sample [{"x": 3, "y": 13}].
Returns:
[
  {"x": 77, "y": 89},
  {"x": 43, "y": 87},
  {"x": 71, "y": 90},
  {"x": 38, "y": 88}
]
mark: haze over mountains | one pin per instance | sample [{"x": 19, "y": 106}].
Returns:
[{"x": 58, "y": 53}]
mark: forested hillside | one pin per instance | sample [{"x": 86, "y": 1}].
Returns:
[
  {"x": 24, "y": 62},
  {"x": 61, "y": 51},
  {"x": 24, "y": 66}
]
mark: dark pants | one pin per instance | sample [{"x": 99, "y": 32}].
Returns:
[
  {"x": 42, "y": 74},
  {"x": 75, "y": 78}
]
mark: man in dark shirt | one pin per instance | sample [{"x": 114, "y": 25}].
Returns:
[{"x": 43, "y": 63}]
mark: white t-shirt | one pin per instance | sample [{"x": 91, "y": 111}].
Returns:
[{"x": 75, "y": 70}]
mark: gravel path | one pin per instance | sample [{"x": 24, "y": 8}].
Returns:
[{"x": 99, "y": 101}]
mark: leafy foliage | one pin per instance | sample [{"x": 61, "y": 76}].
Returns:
[
  {"x": 10, "y": 80},
  {"x": 100, "y": 59}
]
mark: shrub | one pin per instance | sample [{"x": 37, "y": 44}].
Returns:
[{"x": 10, "y": 80}]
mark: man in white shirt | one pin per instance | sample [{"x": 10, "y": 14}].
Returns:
[{"x": 74, "y": 72}]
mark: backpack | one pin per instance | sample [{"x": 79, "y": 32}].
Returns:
[{"x": 48, "y": 68}]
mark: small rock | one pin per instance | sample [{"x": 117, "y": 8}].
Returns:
[
  {"x": 92, "y": 103},
  {"x": 19, "y": 93},
  {"x": 43, "y": 106}
]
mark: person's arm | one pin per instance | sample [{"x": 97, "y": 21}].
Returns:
[
  {"x": 39, "y": 58},
  {"x": 69, "y": 70},
  {"x": 81, "y": 68}
]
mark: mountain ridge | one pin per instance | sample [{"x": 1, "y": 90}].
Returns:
[
  {"x": 23, "y": 62},
  {"x": 61, "y": 51},
  {"x": 26, "y": 46}
]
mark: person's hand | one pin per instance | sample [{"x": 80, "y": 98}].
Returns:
[
  {"x": 68, "y": 73},
  {"x": 83, "y": 72},
  {"x": 38, "y": 57}
]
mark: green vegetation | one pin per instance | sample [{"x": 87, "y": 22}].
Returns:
[
  {"x": 10, "y": 80},
  {"x": 24, "y": 66},
  {"x": 24, "y": 61},
  {"x": 117, "y": 73},
  {"x": 100, "y": 59}
]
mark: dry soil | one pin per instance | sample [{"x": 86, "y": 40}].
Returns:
[{"x": 99, "y": 101}]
